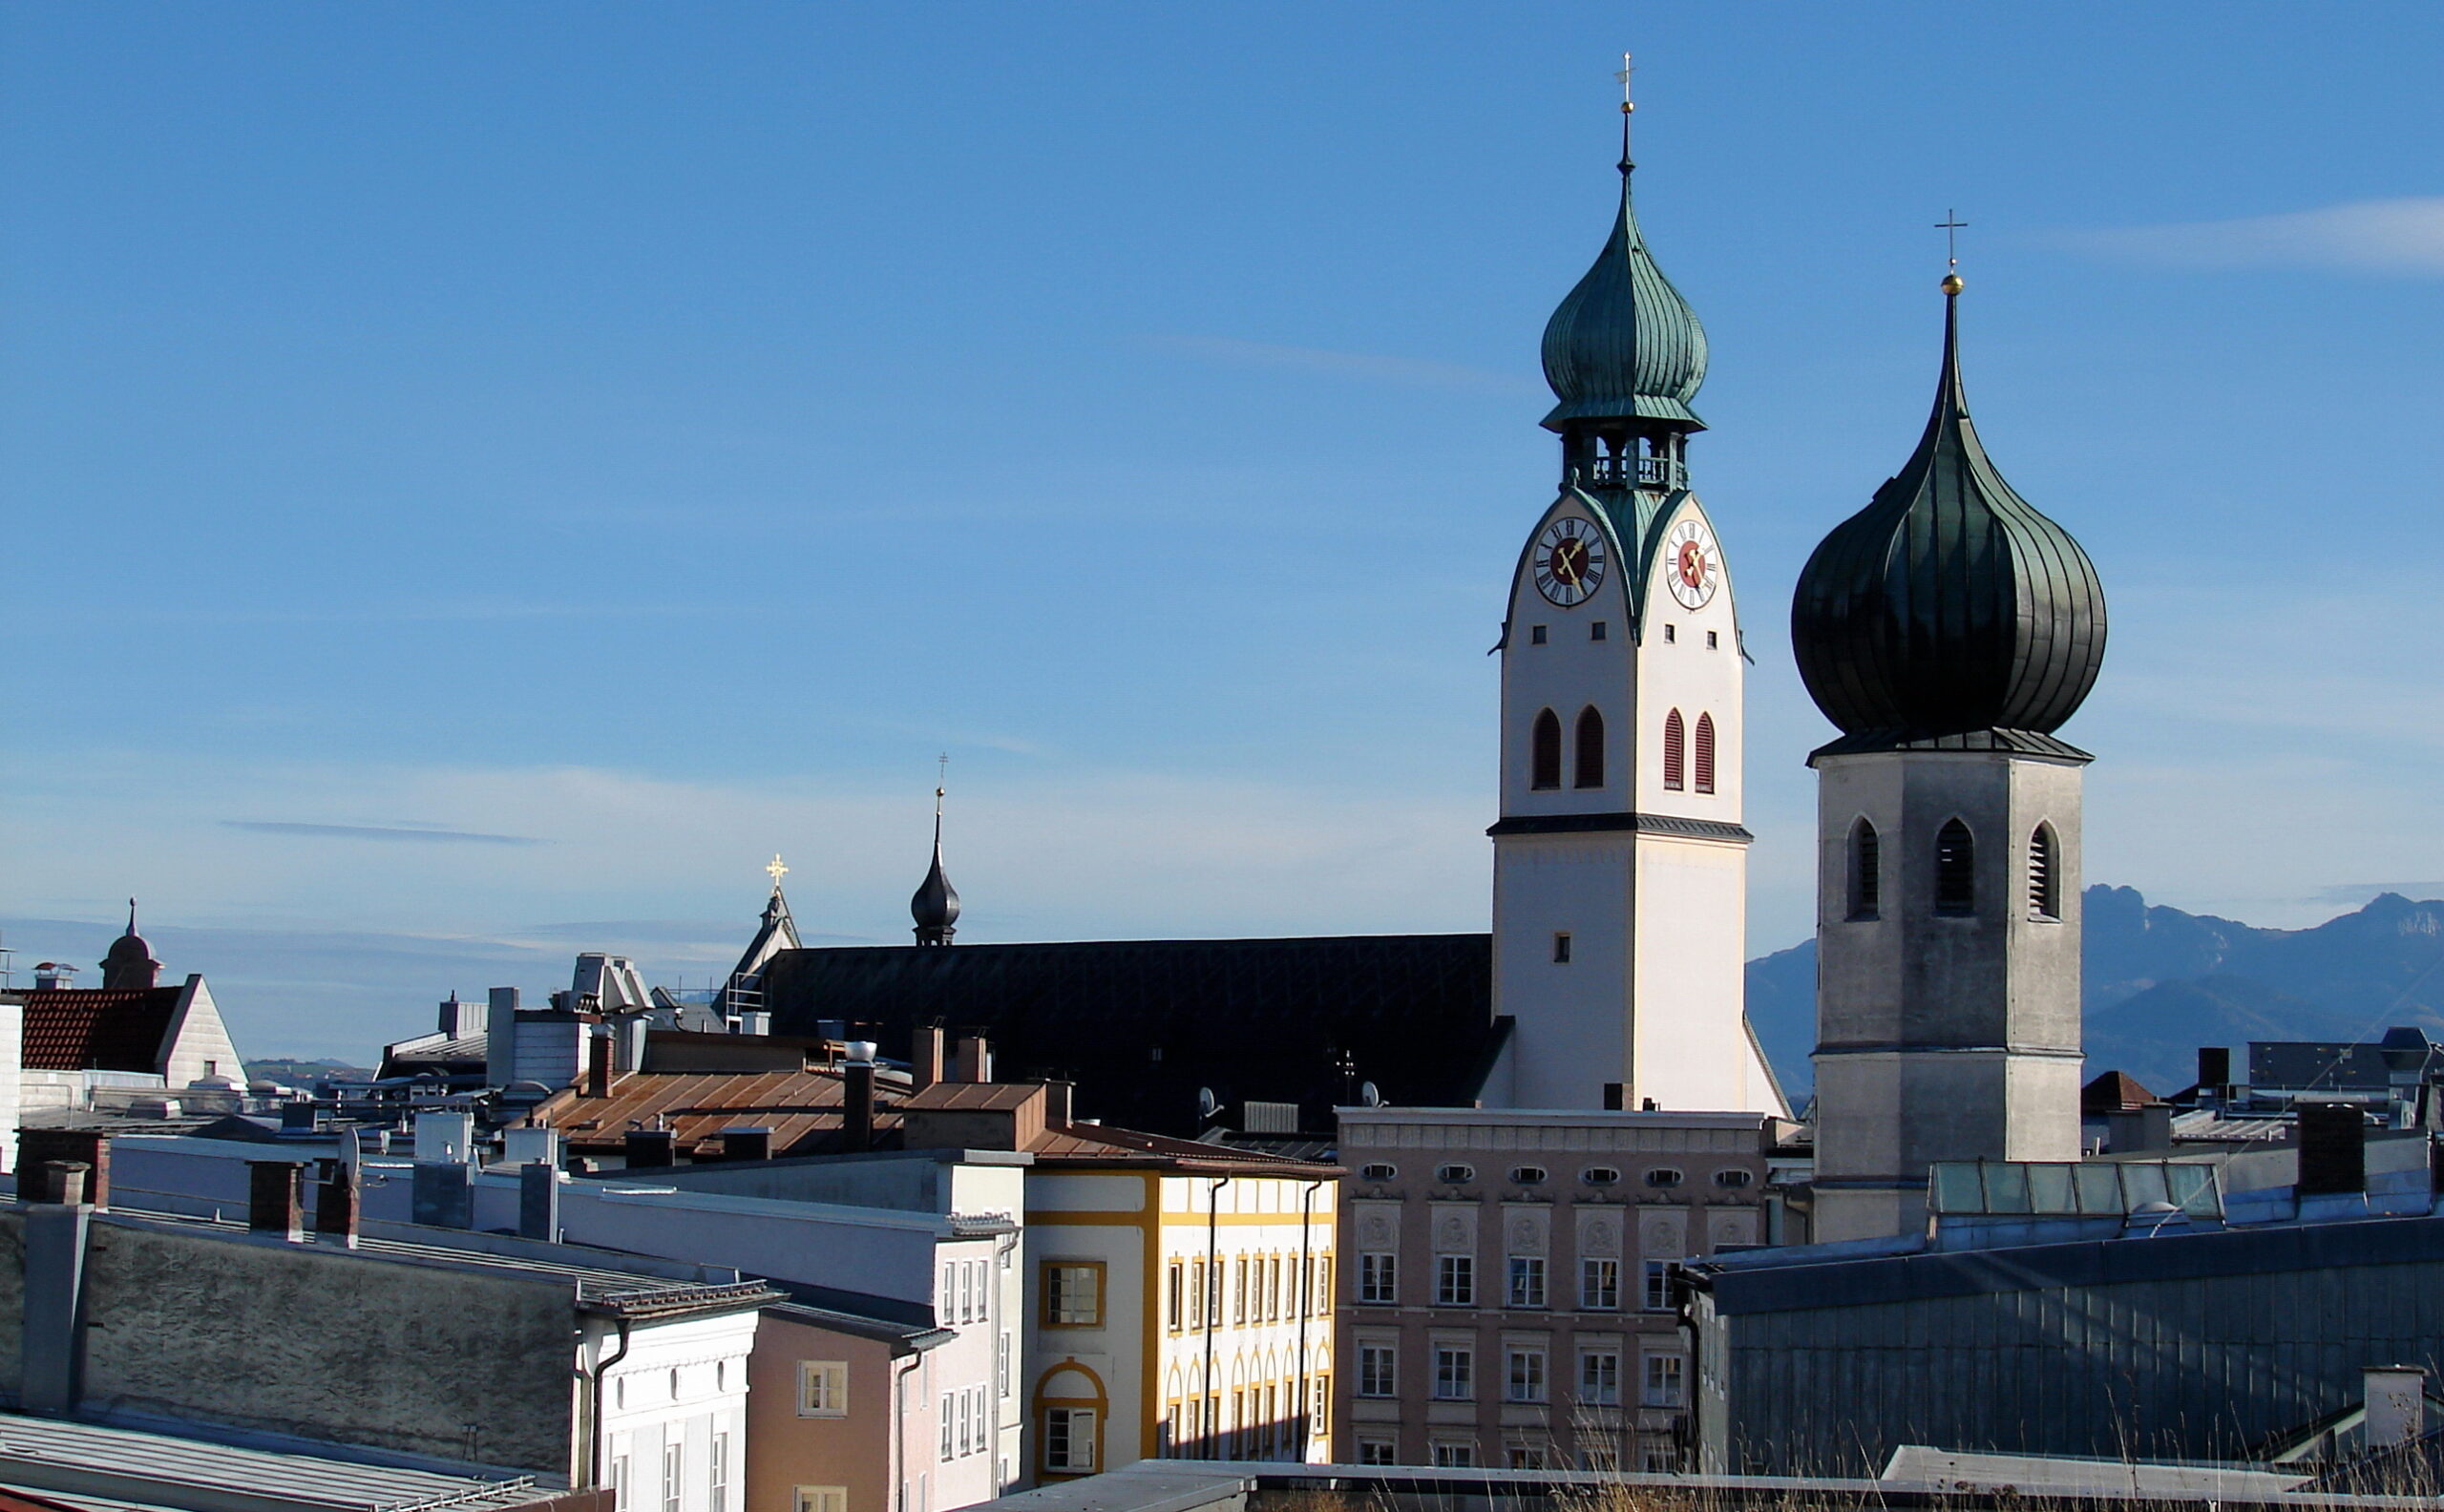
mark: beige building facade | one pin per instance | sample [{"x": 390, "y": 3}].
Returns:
[{"x": 1506, "y": 1296}]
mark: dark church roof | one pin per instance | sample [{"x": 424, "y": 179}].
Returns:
[
  {"x": 98, "y": 1029},
  {"x": 1142, "y": 1026}
]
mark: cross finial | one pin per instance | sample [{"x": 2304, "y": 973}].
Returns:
[
  {"x": 1951, "y": 225},
  {"x": 776, "y": 871},
  {"x": 941, "y": 786},
  {"x": 1626, "y": 108}
]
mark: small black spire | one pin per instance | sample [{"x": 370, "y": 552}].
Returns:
[
  {"x": 936, "y": 904},
  {"x": 128, "y": 964}
]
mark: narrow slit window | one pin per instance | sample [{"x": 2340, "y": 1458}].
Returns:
[
  {"x": 1867, "y": 871},
  {"x": 1560, "y": 947},
  {"x": 1675, "y": 752},
  {"x": 1705, "y": 753},
  {"x": 1955, "y": 870},
  {"x": 2044, "y": 895},
  {"x": 1591, "y": 748},
  {"x": 1545, "y": 751}
]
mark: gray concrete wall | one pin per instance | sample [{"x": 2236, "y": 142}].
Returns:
[
  {"x": 913, "y": 1182},
  {"x": 12, "y": 1300},
  {"x": 302, "y": 1340}
]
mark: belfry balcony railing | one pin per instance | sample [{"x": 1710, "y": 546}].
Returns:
[{"x": 1629, "y": 472}]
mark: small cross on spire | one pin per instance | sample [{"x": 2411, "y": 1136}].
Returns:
[
  {"x": 1951, "y": 225},
  {"x": 1626, "y": 108},
  {"x": 776, "y": 871}
]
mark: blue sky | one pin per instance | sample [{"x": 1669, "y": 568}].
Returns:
[{"x": 481, "y": 478}]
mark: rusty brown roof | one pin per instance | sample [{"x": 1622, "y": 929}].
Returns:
[
  {"x": 974, "y": 1096},
  {"x": 802, "y": 1108},
  {"x": 98, "y": 1029}
]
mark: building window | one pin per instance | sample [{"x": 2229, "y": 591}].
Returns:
[
  {"x": 1599, "y": 1175},
  {"x": 1176, "y": 1295},
  {"x": 1599, "y": 1284},
  {"x": 1455, "y": 1280},
  {"x": 1378, "y": 1452},
  {"x": 1455, "y": 1456},
  {"x": 1069, "y": 1440},
  {"x": 1599, "y": 631},
  {"x": 1599, "y": 1378},
  {"x": 1535, "y": 635},
  {"x": 1379, "y": 1368},
  {"x": 1528, "y": 1175},
  {"x": 1662, "y": 1381},
  {"x": 1704, "y": 751},
  {"x": 1711, "y": 640},
  {"x": 950, "y": 1425},
  {"x": 2044, "y": 897},
  {"x": 823, "y": 1499},
  {"x": 1545, "y": 751},
  {"x": 1590, "y": 749},
  {"x": 1560, "y": 947},
  {"x": 1378, "y": 1172},
  {"x": 1455, "y": 1175},
  {"x": 674, "y": 1484},
  {"x": 1524, "y": 1379},
  {"x": 1670, "y": 634},
  {"x": 619, "y": 1500},
  {"x": 1527, "y": 1281},
  {"x": 1005, "y": 1359},
  {"x": 1323, "y": 1285},
  {"x": 1378, "y": 1277},
  {"x": 1659, "y": 1286},
  {"x": 1675, "y": 753},
  {"x": 1073, "y": 1295},
  {"x": 1735, "y": 1178},
  {"x": 823, "y": 1388},
  {"x": 1531, "y": 1457},
  {"x": 1239, "y": 1290},
  {"x": 719, "y": 1487},
  {"x": 1196, "y": 1294},
  {"x": 1454, "y": 1372},
  {"x": 1664, "y": 1176},
  {"x": 1955, "y": 870},
  {"x": 1867, "y": 871}
]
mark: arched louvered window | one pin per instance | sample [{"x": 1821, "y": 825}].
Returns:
[
  {"x": 2044, "y": 882},
  {"x": 1589, "y": 772},
  {"x": 1955, "y": 870},
  {"x": 1675, "y": 758},
  {"x": 1545, "y": 751},
  {"x": 1867, "y": 871},
  {"x": 1704, "y": 752}
]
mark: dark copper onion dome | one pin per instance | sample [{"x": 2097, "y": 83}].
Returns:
[
  {"x": 1949, "y": 614},
  {"x": 1624, "y": 345},
  {"x": 934, "y": 907}
]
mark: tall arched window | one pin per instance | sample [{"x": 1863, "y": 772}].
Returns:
[
  {"x": 1955, "y": 870},
  {"x": 1545, "y": 751},
  {"x": 1867, "y": 871},
  {"x": 1705, "y": 753},
  {"x": 1674, "y": 751},
  {"x": 1590, "y": 770},
  {"x": 2044, "y": 885}
]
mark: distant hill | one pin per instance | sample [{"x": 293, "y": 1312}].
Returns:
[
  {"x": 305, "y": 1073},
  {"x": 2157, "y": 983}
]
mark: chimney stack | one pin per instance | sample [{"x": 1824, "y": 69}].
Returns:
[
  {"x": 275, "y": 1202},
  {"x": 925, "y": 1056},
  {"x": 37, "y": 1148},
  {"x": 597, "y": 1065},
  {"x": 2214, "y": 1068},
  {"x": 744, "y": 1143},
  {"x": 538, "y": 1202},
  {"x": 649, "y": 1149},
  {"x": 336, "y": 1210},
  {"x": 1056, "y": 1104},
  {"x": 2333, "y": 1138},
  {"x": 974, "y": 1062},
  {"x": 857, "y": 1086},
  {"x": 2396, "y": 1402}
]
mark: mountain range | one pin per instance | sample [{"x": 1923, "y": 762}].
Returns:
[{"x": 2156, "y": 983}]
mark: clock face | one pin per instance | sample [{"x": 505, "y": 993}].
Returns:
[
  {"x": 1691, "y": 564},
  {"x": 1569, "y": 561}
]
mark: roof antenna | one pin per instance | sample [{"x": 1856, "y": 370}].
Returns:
[
  {"x": 1627, "y": 107},
  {"x": 1951, "y": 225}
]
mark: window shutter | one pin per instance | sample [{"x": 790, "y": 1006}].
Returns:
[
  {"x": 1674, "y": 755},
  {"x": 1955, "y": 870},
  {"x": 1544, "y": 758},
  {"x": 1705, "y": 742},
  {"x": 1590, "y": 749}
]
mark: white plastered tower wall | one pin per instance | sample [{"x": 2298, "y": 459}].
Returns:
[
  {"x": 1648, "y": 881},
  {"x": 1941, "y": 1036}
]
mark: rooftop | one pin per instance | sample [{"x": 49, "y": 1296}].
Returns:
[{"x": 94, "y": 1029}]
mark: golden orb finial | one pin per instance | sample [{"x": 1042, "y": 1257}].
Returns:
[{"x": 1952, "y": 284}]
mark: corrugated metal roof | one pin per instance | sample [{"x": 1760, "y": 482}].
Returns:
[{"x": 54, "y": 1454}]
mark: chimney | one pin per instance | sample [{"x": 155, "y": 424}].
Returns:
[
  {"x": 1613, "y": 1094},
  {"x": 36, "y": 1147},
  {"x": 652, "y": 1150},
  {"x": 747, "y": 1143},
  {"x": 55, "y": 975},
  {"x": 974, "y": 1062},
  {"x": 857, "y": 1099},
  {"x": 275, "y": 1204},
  {"x": 1056, "y": 1104},
  {"x": 538, "y": 1202},
  {"x": 53, "y": 1352},
  {"x": 2397, "y": 1401},
  {"x": 2214, "y": 1068},
  {"x": 597, "y": 1065},
  {"x": 2332, "y": 1148},
  {"x": 925, "y": 1056},
  {"x": 755, "y": 1021},
  {"x": 61, "y": 1183},
  {"x": 336, "y": 1210}
]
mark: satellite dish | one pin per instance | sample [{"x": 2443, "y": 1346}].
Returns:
[
  {"x": 1207, "y": 1104},
  {"x": 1370, "y": 1095}
]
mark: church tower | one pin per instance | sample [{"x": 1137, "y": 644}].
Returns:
[
  {"x": 1620, "y": 862},
  {"x": 1947, "y": 629}
]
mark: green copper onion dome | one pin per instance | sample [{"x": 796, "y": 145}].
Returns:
[
  {"x": 1949, "y": 614},
  {"x": 1625, "y": 344}
]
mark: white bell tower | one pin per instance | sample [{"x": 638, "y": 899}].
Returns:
[{"x": 1620, "y": 861}]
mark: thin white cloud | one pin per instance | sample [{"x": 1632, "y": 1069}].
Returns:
[
  {"x": 422, "y": 832},
  {"x": 2404, "y": 236},
  {"x": 1413, "y": 371}
]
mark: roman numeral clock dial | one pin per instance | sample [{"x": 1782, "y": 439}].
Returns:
[
  {"x": 1691, "y": 563},
  {"x": 1569, "y": 561}
]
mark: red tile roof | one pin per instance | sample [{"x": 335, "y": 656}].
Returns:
[{"x": 95, "y": 1029}]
